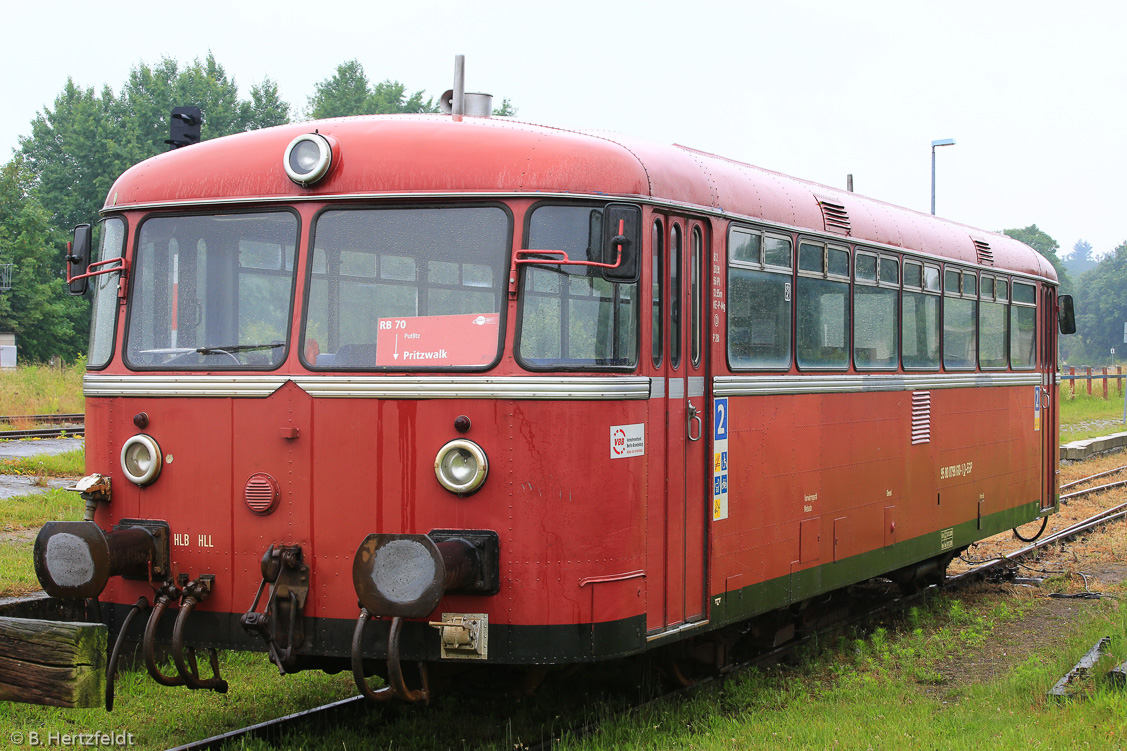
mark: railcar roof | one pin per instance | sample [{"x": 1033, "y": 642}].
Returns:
[{"x": 436, "y": 154}]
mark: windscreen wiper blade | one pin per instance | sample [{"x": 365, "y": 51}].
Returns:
[{"x": 226, "y": 350}]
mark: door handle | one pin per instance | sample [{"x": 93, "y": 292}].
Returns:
[{"x": 694, "y": 416}]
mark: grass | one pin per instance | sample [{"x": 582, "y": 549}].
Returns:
[
  {"x": 17, "y": 575},
  {"x": 20, "y": 519},
  {"x": 41, "y": 390},
  {"x": 67, "y": 464},
  {"x": 33, "y": 511},
  {"x": 257, "y": 693},
  {"x": 1089, "y": 416},
  {"x": 883, "y": 691}
]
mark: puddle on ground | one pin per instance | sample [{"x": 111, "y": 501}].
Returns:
[
  {"x": 11, "y": 449},
  {"x": 14, "y": 485}
]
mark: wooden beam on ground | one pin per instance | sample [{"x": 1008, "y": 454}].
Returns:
[{"x": 62, "y": 664}]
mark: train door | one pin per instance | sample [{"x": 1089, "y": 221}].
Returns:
[
  {"x": 1049, "y": 406},
  {"x": 686, "y": 412}
]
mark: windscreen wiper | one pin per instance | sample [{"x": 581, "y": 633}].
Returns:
[{"x": 226, "y": 350}]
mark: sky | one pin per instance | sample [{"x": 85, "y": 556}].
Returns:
[{"x": 1032, "y": 92}]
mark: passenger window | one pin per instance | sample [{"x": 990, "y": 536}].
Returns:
[
  {"x": 823, "y": 307},
  {"x": 876, "y": 303},
  {"x": 919, "y": 327},
  {"x": 1023, "y": 326},
  {"x": 759, "y": 301},
  {"x": 993, "y": 328},
  {"x": 960, "y": 321}
]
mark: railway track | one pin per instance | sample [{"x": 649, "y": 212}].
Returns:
[
  {"x": 336, "y": 711},
  {"x": 62, "y": 425}
]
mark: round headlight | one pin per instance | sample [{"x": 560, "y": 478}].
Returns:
[
  {"x": 461, "y": 466},
  {"x": 308, "y": 158},
  {"x": 140, "y": 459}
]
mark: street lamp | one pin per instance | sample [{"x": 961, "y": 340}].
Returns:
[{"x": 940, "y": 142}]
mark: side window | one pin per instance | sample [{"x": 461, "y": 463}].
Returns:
[
  {"x": 993, "y": 324},
  {"x": 570, "y": 315},
  {"x": 823, "y": 306},
  {"x": 960, "y": 319},
  {"x": 696, "y": 289},
  {"x": 105, "y": 296},
  {"x": 657, "y": 317},
  {"x": 919, "y": 324},
  {"x": 876, "y": 304},
  {"x": 675, "y": 296},
  {"x": 759, "y": 299},
  {"x": 1023, "y": 326}
]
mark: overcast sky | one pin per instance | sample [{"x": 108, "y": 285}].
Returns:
[{"x": 1033, "y": 92}]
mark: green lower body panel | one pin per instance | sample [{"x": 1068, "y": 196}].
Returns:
[{"x": 782, "y": 591}]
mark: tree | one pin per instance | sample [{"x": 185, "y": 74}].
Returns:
[
  {"x": 348, "y": 92},
  {"x": 265, "y": 108},
  {"x": 78, "y": 147},
  {"x": 75, "y": 152},
  {"x": 1101, "y": 305},
  {"x": 1080, "y": 259},
  {"x": 45, "y": 319},
  {"x": 1046, "y": 246}
]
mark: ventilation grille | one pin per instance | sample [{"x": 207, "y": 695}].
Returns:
[
  {"x": 261, "y": 493},
  {"x": 921, "y": 417},
  {"x": 835, "y": 217},
  {"x": 985, "y": 255}
]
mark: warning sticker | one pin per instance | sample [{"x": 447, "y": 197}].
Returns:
[
  {"x": 627, "y": 440},
  {"x": 429, "y": 341},
  {"x": 720, "y": 459}
]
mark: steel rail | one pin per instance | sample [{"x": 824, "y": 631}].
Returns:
[
  {"x": 1096, "y": 489},
  {"x": 68, "y": 432},
  {"x": 1098, "y": 475},
  {"x": 73, "y": 417},
  {"x": 273, "y": 728},
  {"x": 1108, "y": 515}
]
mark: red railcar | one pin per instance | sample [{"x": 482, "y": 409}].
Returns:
[{"x": 532, "y": 396}]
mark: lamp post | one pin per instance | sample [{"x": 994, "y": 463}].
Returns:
[{"x": 940, "y": 142}]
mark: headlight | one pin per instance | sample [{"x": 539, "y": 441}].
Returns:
[
  {"x": 461, "y": 466},
  {"x": 140, "y": 459},
  {"x": 308, "y": 158}
]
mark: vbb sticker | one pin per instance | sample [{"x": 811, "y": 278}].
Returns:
[
  {"x": 627, "y": 440},
  {"x": 720, "y": 427}
]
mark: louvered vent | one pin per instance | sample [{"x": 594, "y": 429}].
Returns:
[
  {"x": 835, "y": 217},
  {"x": 261, "y": 493},
  {"x": 921, "y": 417},
  {"x": 985, "y": 255}
]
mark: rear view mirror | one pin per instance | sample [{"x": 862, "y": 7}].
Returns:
[
  {"x": 622, "y": 228},
  {"x": 1066, "y": 316},
  {"x": 78, "y": 259}
]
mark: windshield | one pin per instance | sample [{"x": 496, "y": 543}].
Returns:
[
  {"x": 407, "y": 289},
  {"x": 212, "y": 292}
]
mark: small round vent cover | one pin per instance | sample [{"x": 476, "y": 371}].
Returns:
[{"x": 261, "y": 493}]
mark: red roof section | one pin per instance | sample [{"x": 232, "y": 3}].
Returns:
[{"x": 428, "y": 154}]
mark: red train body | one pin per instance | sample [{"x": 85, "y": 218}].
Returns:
[{"x": 802, "y": 389}]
